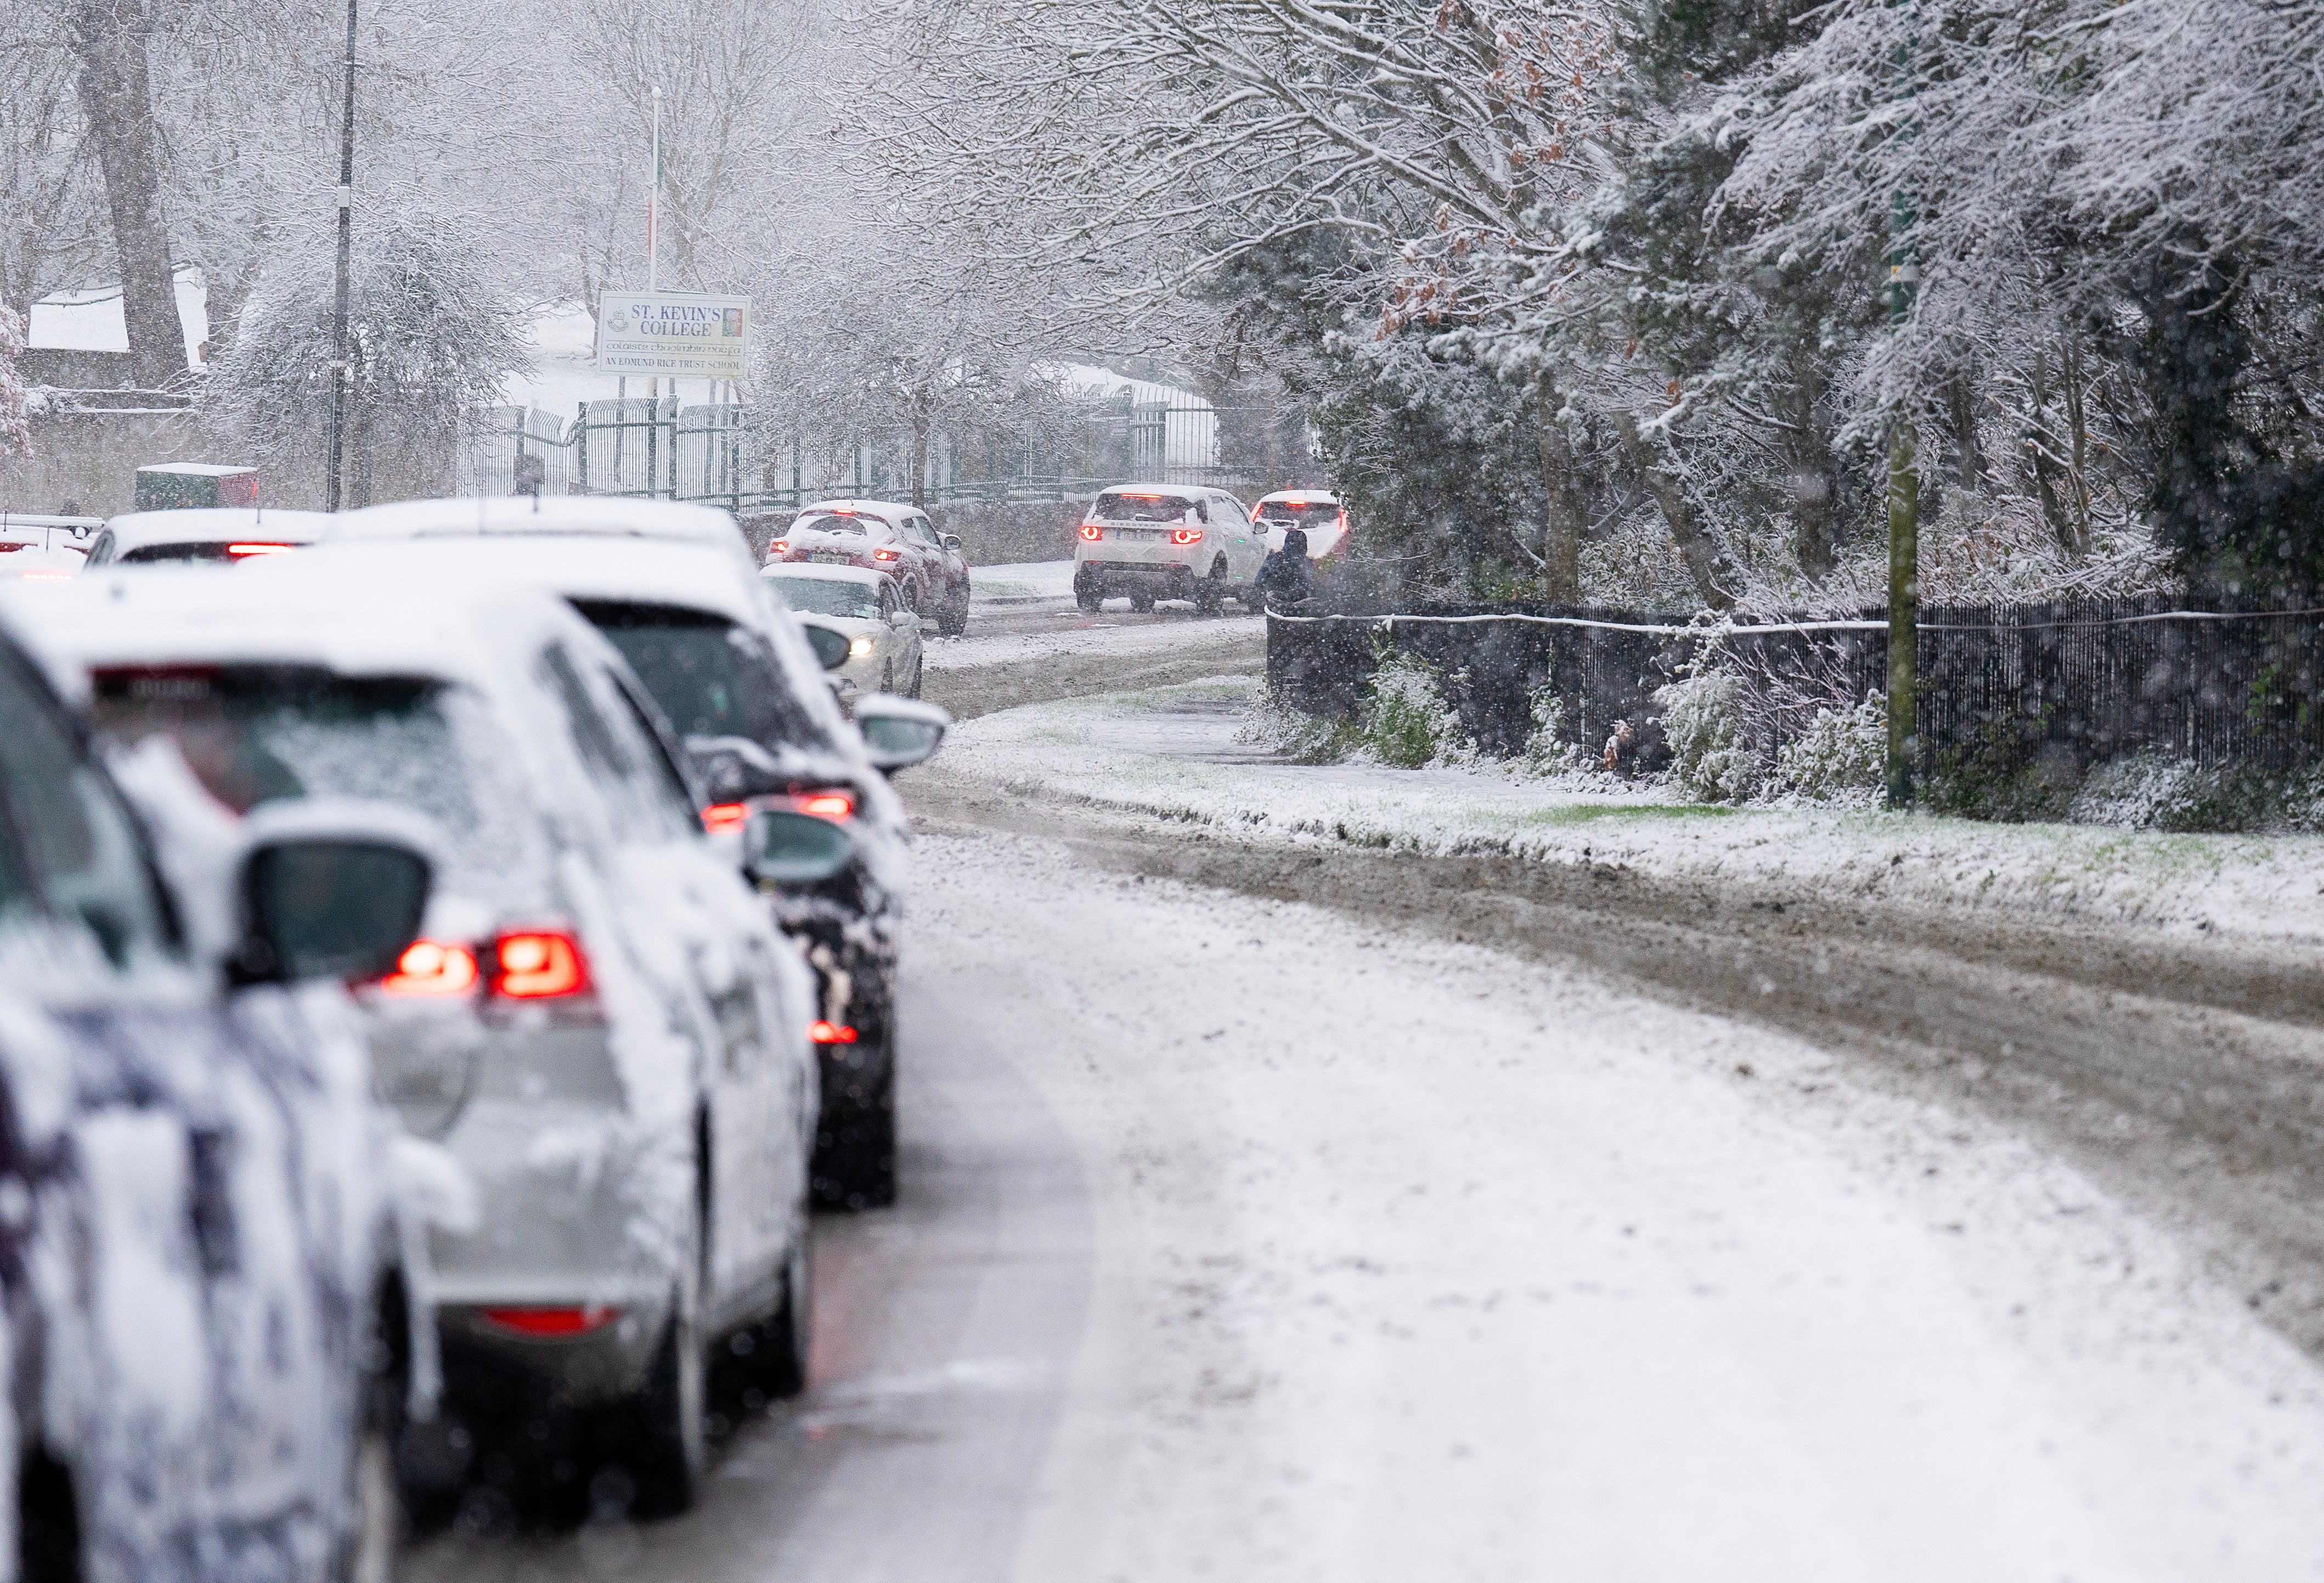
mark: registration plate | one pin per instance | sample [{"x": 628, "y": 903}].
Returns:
[
  {"x": 1145, "y": 535},
  {"x": 830, "y": 558}
]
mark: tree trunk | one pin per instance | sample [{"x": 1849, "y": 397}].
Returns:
[
  {"x": 1968, "y": 460},
  {"x": 2049, "y": 472},
  {"x": 1566, "y": 514},
  {"x": 1814, "y": 481},
  {"x": 920, "y": 423},
  {"x": 1706, "y": 563},
  {"x": 109, "y": 38}
]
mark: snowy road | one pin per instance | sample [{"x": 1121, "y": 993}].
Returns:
[
  {"x": 1244, "y": 1240},
  {"x": 1260, "y": 1238}
]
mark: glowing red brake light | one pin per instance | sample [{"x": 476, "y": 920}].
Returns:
[
  {"x": 1186, "y": 536},
  {"x": 242, "y": 552},
  {"x": 12, "y": 549},
  {"x": 831, "y": 1032},
  {"x": 538, "y": 964},
  {"x": 843, "y": 511},
  {"x": 887, "y": 555},
  {"x": 1133, "y": 495},
  {"x": 779, "y": 546},
  {"x": 836, "y": 805},
  {"x": 432, "y": 968},
  {"x": 550, "y": 1322},
  {"x": 1092, "y": 533},
  {"x": 720, "y": 816}
]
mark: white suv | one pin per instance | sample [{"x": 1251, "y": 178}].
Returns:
[{"x": 1166, "y": 541}]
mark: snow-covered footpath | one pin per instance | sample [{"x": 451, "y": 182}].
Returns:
[
  {"x": 1174, "y": 752},
  {"x": 1418, "y": 1261}
]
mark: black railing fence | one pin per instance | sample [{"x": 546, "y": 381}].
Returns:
[{"x": 2099, "y": 679}]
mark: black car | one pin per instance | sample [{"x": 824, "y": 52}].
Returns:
[{"x": 205, "y": 1311}]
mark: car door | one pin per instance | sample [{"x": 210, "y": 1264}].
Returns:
[
  {"x": 1245, "y": 547},
  {"x": 184, "y": 1290},
  {"x": 731, "y": 942}
]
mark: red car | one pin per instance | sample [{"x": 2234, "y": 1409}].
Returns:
[{"x": 880, "y": 536}]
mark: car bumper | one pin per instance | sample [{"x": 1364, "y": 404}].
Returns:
[
  {"x": 1120, "y": 575},
  {"x": 565, "y": 1195}
]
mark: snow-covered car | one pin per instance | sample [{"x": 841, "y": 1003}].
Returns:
[
  {"x": 218, "y": 535},
  {"x": 599, "y": 1022},
  {"x": 1318, "y": 513},
  {"x": 884, "y": 636},
  {"x": 208, "y": 1333},
  {"x": 41, "y": 549},
  {"x": 734, "y": 673},
  {"x": 880, "y": 536},
  {"x": 1166, "y": 541}
]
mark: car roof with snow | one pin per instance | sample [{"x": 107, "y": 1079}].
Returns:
[
  {"x": 518, "y": 516},
  {"x": 887, "y": 512},
  {"x": 214, "y": 525},
  {"x": 290, "y": 611},
  {"x": 579, "y": 565},
  {"x": 1302, "y": 497}
]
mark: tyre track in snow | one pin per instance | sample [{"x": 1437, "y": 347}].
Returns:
[{"x": 2186, "y": 1077}]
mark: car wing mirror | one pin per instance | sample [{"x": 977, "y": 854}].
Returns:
[
  {"x": 909, "y": 620},
  {"x": 830, "y": 647},
  {"x": 782, "y": 848},
  {"x": 951, "y": 541},
  {"x": 328, "y": 888},
  {"x": 899, "y": 733}
]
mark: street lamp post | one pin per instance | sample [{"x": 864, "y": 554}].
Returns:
[{"x": 333, "y": 460}]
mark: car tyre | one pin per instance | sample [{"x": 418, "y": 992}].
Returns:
[
  {"x": 855, "y": 1146},
  {"x": 1142, "y": 603},
  {"x": 371, "y": 1550},
  {"x": 920, "y": 674},
  {"x": 951, "y": 620},
  {"x": 673, "y": 1444},
  {"x": 1090, "y": 600},
  {"x": 1211, "y": 593}
]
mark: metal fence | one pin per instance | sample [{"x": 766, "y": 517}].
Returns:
[
  {"x": 639, "y": 447},
  {"x": 2095, "y": 679}
]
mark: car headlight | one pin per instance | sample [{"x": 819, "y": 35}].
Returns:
[{"x": 862, "y": 645}]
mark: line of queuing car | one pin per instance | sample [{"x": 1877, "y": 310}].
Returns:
[{"x": 443, "y": 965}]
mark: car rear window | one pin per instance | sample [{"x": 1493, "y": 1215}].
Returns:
[
  {"x": 831, "y": 596},
  {"x": 254, "y": 735},
  {"x": 1114, "y": 507},
  {"x": 825, "y": 522},
  {"x": 146, "y": 554},
  {"x": 1299, "y": 510},
  {"x": 711, "y": 677}
]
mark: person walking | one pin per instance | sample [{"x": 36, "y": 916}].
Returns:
[{"x": 1286, "y": 577}]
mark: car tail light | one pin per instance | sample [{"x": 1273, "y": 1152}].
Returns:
[
  {"x": 1186, "y": 536},
  {"x": 836, "y": 804},
  {"x": 722, "y": 816},
  {"x": 48, "y": 577},
  {"x": 887, "y": 555},
  {"x": 551, "y": 1321},
  {"x": 12, "y": 549},
  {"x": 432, "y": 968},
  {"x": 779, "y": 546},
  {"x": 843, "y": 511},
  {"x": 538, "y": 964},
  {"x": 1092, "y": 533},
  {"x": 242, "y": 552},
  {"x": 832, "y": 1032}
]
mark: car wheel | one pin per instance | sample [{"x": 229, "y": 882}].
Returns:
[
  {"x": 920, "y": 674},
  {"x": 952, "y": 620},
  {"x": 371, "y": 1550},
  {"x": 888, "y": 677},
  {"x": 1211, "y": 593},
  {"x": 673, "y": 1439},
  {"x": 855, "y": 1143},
  {"x": 1142, "y": 603},
  {"x": 1090, "y": 600}
]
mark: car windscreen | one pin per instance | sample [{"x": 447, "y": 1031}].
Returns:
[
  {"x": 825, "y": 522},
  {"x": 1299, "y": 510},
  {"x": 1142, "y": 508},
  {"x": 831, "y": 596},
  {"x": 261, "y": 733},
  {"x": 147, "y": 554},
  {"x": 712, "y": 677}
]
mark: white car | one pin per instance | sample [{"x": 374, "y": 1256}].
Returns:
[
  {"x": 865, "y": 608},
  {"x": 600, "y": 1022},
  {"x": 41, "y": 549},
  {"x": 221, "y": 536},
  {"x": 1321, "y": 515},
  {"x": 1166, "y": 541}
]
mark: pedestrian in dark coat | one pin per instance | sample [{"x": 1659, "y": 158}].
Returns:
[{"x": 1287, "y": 577}]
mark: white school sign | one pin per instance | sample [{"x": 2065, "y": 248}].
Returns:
[{"x": 673, "y": 334}]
